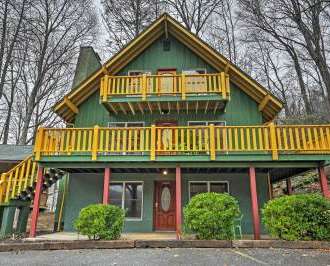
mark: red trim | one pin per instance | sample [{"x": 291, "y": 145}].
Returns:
[
  {"x": 178, "y": 201},
  {"x": 254, "y": 203},
  {"x": 36, "y": 202},
  {"x": 106, "y": 184},
  {"x": 324, "y": 183},
  {"x": 289, "y": 186}
]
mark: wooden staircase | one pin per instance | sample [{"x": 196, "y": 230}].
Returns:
[{"x": 19, "y": 182}]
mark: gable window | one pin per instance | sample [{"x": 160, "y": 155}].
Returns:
[
  {"x": 129, "y": 197},
  {"x": 197, "y": 187}
]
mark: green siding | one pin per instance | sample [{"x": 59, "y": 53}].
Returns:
[
  {"x": 240, "y": 110},
  {"x": 154, "y": 58},
  {"x": 84, "y": 191}
]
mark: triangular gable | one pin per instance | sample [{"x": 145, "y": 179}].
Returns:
[{"x": 269, "y": 105}]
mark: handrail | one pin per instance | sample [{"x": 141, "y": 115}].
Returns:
[
  {"x": 18, "y": 179},
  {"x": 184, "y": 140},
  {"x": 179, "y": 85}
]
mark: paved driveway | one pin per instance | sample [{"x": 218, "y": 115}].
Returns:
[{"x": 169, "y": 257}]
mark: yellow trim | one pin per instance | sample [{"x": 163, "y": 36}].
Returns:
[
  {"x": 148, "y": 36},
  {"x": 264, "y": 102},
  {"x": 71, "y": 105}
]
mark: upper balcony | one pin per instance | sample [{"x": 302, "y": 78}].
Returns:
[{"x": 165, "y": 93}]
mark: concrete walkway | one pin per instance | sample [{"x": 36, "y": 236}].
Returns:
[{"x": 67, "y": 236}]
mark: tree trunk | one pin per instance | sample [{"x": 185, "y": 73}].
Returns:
[{"x": 301, "y": 82}]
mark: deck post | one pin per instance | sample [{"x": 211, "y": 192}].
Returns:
[
  {"x": 178, "y": 202},
  {"x": 254, "y": 203},
  {"x": 106, "y": 184},
  {"x": 324, "y": 183},
  {"x": 36, "y": 202},
  {"x": 288, "y": 186}
]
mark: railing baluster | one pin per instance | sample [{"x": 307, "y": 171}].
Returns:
[
  {"x": 153, "y": 143},
  {"x": 273, "y": 143}
]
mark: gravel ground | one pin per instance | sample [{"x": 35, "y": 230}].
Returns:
[{"x": 160, "y": 257}]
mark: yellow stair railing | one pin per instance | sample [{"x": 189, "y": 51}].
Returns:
[{"x": 18, "y": 179}]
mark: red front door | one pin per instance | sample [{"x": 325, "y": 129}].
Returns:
[{"x": 164, "y": 206}]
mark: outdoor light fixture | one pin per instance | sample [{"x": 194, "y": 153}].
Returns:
[{"x": 164, "y": 172}]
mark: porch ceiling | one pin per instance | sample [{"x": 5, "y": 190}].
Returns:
[
  {"x": 276, "y": 174},
  {"x": 164, "y": 107}
]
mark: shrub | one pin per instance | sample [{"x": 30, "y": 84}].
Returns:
[
  {"x": 99, "y": 221},
  {"x": 211, "y": 215},
  {"x": 298, "y": 217}
]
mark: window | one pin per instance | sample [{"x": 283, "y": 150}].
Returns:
[
  {"x": 127, "y": 125},
  {"x": 196, "y": 187},
  {"x": 129, "y": 197},
  {"x": 135, "y": 83},
  {"x": 206, "y": 123}
]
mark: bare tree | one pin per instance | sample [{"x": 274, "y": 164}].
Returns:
[
  {"x": 194, "y": 14},
  {"x": 11, "y": 25},
  {"x": 125, "y": 19},
  {"x": 311, "y": 18},
  {"x": 53, "y": 39},
  {"x": 264, "y": 24}
]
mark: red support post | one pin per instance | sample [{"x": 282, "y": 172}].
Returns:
[
  {"x": 324, "y": 183},
  {"x": 106, "y": 184},
  {"x": 178, "y": 209},
  {"x": 288, "y": 186},
  {"x": 36, "y": 202},
  {"x": 254, "y": 203}
]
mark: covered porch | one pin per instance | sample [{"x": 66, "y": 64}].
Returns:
[{"x": 156, "y": 188}]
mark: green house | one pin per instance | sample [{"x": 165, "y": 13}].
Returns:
[{"x": 164, "y": 119}]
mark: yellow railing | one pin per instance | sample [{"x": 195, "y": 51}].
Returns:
[
  {"x": 18, "y": 179},
  {"x": 157, "y": 85},
  {"x": 188, "y": 140}
]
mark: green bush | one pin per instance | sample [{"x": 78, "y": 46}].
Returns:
[
  {"x": 298, "y": 217},
  {"x": 99, "y": 221},
  {"x": 211, "y": 215}
]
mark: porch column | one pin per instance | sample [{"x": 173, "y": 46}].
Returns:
[
  {"x": 36, "y": 202},
  {"x": 288, "y": 186},
  {"x": 324, "y": 183},
  {"x": 254, "y": 203},
  {"x": 106, "y": 184},
  {"x": 178, "y": 202}
]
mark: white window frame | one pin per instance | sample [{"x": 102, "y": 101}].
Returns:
[
  {"x": 208, "y": 122},
  {"x": 194, "y": 69},
  {"x": 125, "y": 123},
  {"x": 136, "y": 70},
  {"x": 208, "y": 184},
  {"x": 123, "y": 198}
]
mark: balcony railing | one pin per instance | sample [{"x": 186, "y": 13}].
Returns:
[
  {"x": 183, "y": 85},
  {"x": 209, "y": 140}
]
